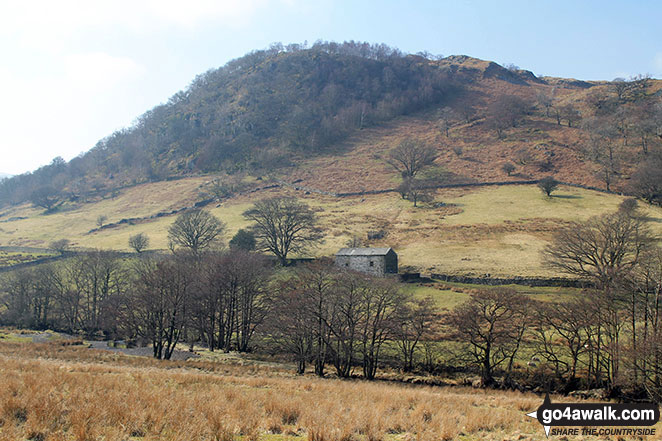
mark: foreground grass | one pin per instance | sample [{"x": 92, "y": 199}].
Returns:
[{"x": 56, "y": 392}]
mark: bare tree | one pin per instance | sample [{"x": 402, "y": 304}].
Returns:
[
  {"x": 411, "y": 156},
  {"x": 506, "y": 111},
  {"x": 318, "y": 284},
  {"x": 415, "y": 190},
  {"x": 644, "y": 124},
  {"x": 466, "y": 111},
  {"x": 571, "y": 323},
  {"x": 157, "y": 306},
  {"x": 283, "y": 225},
  {"x": 569, "y": 113},
  {"x": 548, "y": 185},
  {"x": 620, "y": 86},
  {"x": 98, "y": 280},
  {"x": 545, "y": 100},
  {"x": 603, "y": 249},
  {"x": 47, "y": 198},
  {"x": 347, "y": 314},
  {"x": 381, "y": 302},
  {"x": 646, "y": 181},
  {"x": 508, "y": 168},
  {"x": 101, "y": 219},
  {"x": 195, "y": 229},
  {"x": 492, "y": 323},
  {"x": 602, "y": 148},
  {"x": 446, "y": 117},
  {"x": 647, "y": 353},
  {"x": 139, "y": 242},
  {"x": 290, "y": 325},
  {"x": 61, "y": 245},
  {"x": 412, "y": 323},
  {"x": 631, "y": 89}
]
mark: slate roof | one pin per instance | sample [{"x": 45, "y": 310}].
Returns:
[{"x": 363, "y": 251}]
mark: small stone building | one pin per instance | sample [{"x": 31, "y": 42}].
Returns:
[{"x": 373, "y": 261}]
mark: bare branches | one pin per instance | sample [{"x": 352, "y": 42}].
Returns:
[
  {"x": 411, "y": 156},
  {"x": 602, "y": 249},
  {"x": 195, "y": 229},
  {"x": 139, "y": 242},
  {"x": 283, "y": 225},
  {"x": 492, "y": 323}
]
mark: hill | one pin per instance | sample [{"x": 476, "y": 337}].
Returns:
[
  {"x": 292, "y": 111},
  {"x": 320, "y": 122}
]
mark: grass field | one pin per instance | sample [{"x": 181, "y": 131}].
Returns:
[
  {"x": 447, "y": 295},
  {"x": 495, "y": 230},
  {"x": 9, "y": 258},
  {"x": 56, "y": 392}
]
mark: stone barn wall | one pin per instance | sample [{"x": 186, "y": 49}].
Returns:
[{"x": 373, "y": 265}]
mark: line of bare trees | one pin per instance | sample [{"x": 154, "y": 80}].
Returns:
[
  {"x": 217, "y": 298},
  {"x": 326, "y": 317},
  {"x": 608, "y": 337}
]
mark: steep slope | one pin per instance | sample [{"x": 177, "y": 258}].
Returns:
[
  {"x": 254, "y": 113},
  {"x": 291, "y": 111}
]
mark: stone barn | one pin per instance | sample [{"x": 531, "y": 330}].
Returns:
[{"x": 373, "y": 261}]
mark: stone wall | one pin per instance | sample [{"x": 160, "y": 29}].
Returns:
[{"x": 526, "y": 281}]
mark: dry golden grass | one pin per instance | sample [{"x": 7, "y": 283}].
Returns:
[{"x": 54, "y": 392}]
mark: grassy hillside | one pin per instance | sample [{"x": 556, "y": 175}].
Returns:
[
  {"x": 496, "y": 230},
  {"x": 239, "y": 114}
]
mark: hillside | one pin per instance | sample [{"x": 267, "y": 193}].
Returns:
[
  {"x": 291, "y": 111},
  {"x": 498, "y": 230},
  {"x": 318, "y": 122}
]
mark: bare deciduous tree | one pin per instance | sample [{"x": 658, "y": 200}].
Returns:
[
  {"x": 446, "y": 117},
  {"x": 283, "y": 225},
  {"x": 381, "y": 301},
  {"x": 47, "y": 198},
  {"x": 569, "y": 113},
  {"x": 157, "y": 307},
  {"x": 603, "y": 249},
  {"x": 412, "y": 323},
  {"x": 602, "y": 148},
  {"x": 508, "y": 168},
  {"x": 195, "y": 229},
  {"x": 415, "y": 190},
  {"x": 492, "y": 324},
  {"x": 139, "y": 242},
  {"x": 506, "y": 111},
  {"x": 547, "y": 185},
  {"x": 101, "y": 219},
  {"x": 61, "y": 245},
  {"x": 545, "y": 101},
  {"x": 572, "y": 323},
  {"x": 411, "y": 156},
  {"x": 646, "y": 181}
]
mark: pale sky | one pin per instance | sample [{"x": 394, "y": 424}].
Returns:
[{"x": 74, "y": 71}]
